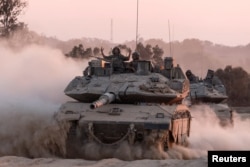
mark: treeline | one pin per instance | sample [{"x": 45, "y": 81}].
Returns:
[
  {"x": 237, "y": 83},
  {"x": 153, "y": 53},
  {"x": 147, "y": 52},
  {"x": 78, "y": 52}
]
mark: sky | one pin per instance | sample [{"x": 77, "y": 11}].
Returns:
[{"x": 224, "y": 22}]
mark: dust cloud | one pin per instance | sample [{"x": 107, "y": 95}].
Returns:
[
  {"x": 211, "y": 136},
  {"x": 208, "y": 134},
  {"x": 32, "y": 82}
]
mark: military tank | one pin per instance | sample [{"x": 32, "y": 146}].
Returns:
[
  {"x": 117, "y": 105},
  {"x": 212, "y": 92}
]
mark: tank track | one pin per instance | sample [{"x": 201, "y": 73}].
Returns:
[{"x": 158, "y": 138}]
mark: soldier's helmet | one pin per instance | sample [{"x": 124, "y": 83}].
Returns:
[
  {"x": 116, "y": 50},
  {"x": 188, "y": 73},
  {"x": 135, "y": 56}
]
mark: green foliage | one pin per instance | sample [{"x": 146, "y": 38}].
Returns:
[
  {"x": 151, "y": 53},
  {"x": 9, "y": 11},
  {"x": 79, "y": 52},
  {"x": 125, "y": 47},
  {"x": 157, "y": 55},
  {"x": 96, "y": 51},
  {"x": 237, "y": 83},
  {"x": 145, "y": 52}
]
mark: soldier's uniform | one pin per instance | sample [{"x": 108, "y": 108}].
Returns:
[
  {"x": 134, "y": 63},
  {"x": 117, "y": 60}
]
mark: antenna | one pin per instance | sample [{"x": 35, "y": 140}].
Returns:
[
  {"x": 173, "y": 41},
  {"x": 111, "y": 31},
  {"x": 136, "y": 35},
  {"x": 169, "y": 35}
]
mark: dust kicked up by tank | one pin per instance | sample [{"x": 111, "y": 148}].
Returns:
[{"x": 33, "y": 79}]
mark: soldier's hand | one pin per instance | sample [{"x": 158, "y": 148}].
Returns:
[{"x": 129, "y": 50}]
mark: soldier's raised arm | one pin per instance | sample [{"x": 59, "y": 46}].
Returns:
[
  {"x": 104, "y": 56},
  {"x": 126, "y": 58}
]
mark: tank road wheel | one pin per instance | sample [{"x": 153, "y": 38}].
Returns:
[
  {"x": 157, "y": 138},
  {"x": 231, "y": 117},
  {"x": 169, "y": 141},
  {"x": 72, "y": 142},
  {"x": 131, "y": 135}
]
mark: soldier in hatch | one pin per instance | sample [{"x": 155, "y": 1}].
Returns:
[
  {"x": 117, "y": 59},
  {"x": 134, "y": 62},
  {"x": 191, "y": 77},
  {"x": 210, "y": 76},
  {"x": 212, "y": 79}
]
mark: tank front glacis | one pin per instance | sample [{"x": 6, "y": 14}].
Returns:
[{"x": 136, "y": 104}]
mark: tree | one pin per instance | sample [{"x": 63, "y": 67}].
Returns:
[
  {"x": 88, "y": 53},
  {"x": 237, "y": 83},
  {"x": 78, "y": 52},
  {"x": 96, "y": 51},
  {"x": 145, "y": 52},
  {"x": 125, "y": 47},
  {"x": 157, "y": 55},
  {"x": 9, "y": 11}
]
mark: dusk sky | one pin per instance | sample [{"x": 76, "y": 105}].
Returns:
[{"x": 219, "y": 21}]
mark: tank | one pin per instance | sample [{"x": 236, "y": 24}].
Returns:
[
  {"x": 212, "y": 92},
  {"x": 138, "y": 106}
]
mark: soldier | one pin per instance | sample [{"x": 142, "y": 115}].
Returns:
[
  {"x": 191, "y": 77},
  {"x": 134, "y": 62},
  {"x": 209, "y": 77},
  {"x": 86, "y": 72},
  {"x": 117, "y": 59}
]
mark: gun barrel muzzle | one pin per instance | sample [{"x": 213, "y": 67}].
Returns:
[{"x": 104, "y": 99}]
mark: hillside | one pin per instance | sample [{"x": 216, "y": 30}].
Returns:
[{"x": 192, "y": 54}]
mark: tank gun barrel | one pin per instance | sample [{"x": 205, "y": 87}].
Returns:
[{"x": 104, "y": 99}]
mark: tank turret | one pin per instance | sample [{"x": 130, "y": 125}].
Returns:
[
  {"x": 207, "y": 90},
  {"x": 212, "y": 92},
  {"x": 132, "y": 104}
]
